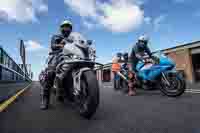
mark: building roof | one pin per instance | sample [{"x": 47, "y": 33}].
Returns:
[{"x": 179, "y": 47}]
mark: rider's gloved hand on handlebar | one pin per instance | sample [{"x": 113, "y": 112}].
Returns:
[
  {"x": 61, "y": 44},
  {"x": 155, "y": 59}
]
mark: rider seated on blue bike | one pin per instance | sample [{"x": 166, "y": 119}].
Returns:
[{"x": 139, "y": 50}]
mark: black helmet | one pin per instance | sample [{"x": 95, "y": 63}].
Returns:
[
  {"x": 125, "y": 56},
  {"x": 119, "y": 54}
]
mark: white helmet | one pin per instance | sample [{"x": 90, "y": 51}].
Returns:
[{"x": 143, "y": 38}]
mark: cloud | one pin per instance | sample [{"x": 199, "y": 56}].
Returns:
[
  {"x": 116, "y": 16},
  {"x": 158, "y": 21},
  {"x": 88, "y": 24},
  {"x": 36, "y": 56},
  {"x": 21, "y": 10},
  {"x": 121, "y": 16},
  {"x": 82, "y": 7},
  {"x": 33, "y": 46},
  {"x": 148, "y": 20}
]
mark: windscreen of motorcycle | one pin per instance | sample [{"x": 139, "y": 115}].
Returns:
[{"x": 77, "y": 47}]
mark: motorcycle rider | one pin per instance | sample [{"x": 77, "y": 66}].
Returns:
[
  {"x": 138, "y": 50},
  {"x": 57, "y": 45}
]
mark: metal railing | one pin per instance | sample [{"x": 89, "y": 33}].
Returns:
[{"x": 10, "y": 70}]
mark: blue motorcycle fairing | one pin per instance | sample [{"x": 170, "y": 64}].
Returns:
[
  {"x": 166, "y": 61},
  {"x": 154, "y": 71}
]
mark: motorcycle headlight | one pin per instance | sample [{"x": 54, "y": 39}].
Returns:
[
  {"x": 75, "y": 57},
  {"x": 81, "y": 41}
]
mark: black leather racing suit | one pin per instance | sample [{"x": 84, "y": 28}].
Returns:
[
  {"x": 138, "y": 49},
  {"x": 53, "y": 61}
]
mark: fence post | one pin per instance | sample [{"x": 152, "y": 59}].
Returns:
[
  {"x": 1, "y": 61},
  {"x": 0, "y": 73}
]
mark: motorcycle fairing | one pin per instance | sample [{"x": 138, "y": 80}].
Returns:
[{"x": 152, "y": 72}]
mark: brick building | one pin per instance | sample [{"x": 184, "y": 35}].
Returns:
[{"x": 186, "y": 57}]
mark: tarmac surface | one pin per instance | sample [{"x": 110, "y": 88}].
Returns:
[
  {"x": 148, "y": 112},
  {"x": 10, "y": 88}
]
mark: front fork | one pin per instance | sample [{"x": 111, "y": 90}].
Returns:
[
  {"x": 76, "y": 75},
  {"x": 166, "y": 81}
]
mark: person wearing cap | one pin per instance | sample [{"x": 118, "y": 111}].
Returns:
[
  {"x": 116, "y": 68},
  {"x": 57, "y": 44}
]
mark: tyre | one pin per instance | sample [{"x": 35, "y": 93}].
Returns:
[
  {"x": 176, "y": 85},
  {"x": 89, "y": 97}
]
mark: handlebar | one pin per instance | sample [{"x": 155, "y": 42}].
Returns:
[
  {"x": 153, "y": 59},
  {"x": 60, "y": 45},
  {"x": 146, "y": 59}
]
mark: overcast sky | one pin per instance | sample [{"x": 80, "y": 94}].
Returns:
[{"x": 115, "y": 25}]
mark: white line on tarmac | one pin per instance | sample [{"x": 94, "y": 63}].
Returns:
[
  {"x": 5, "y": 104},
  {"x": 187, "y": 90},
  {"x": 193, "y": 91}
]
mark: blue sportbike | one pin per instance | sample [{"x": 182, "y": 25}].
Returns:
[{"x": 159, "y": 72}]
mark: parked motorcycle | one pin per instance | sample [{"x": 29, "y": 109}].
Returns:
[
  {"x": 80, "y": 86},
  {"x": 159, "y": 72}
]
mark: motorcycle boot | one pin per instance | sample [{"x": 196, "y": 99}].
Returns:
[
  {"x": 46, "y": 89},
  {"x": 61, "y": 73},
  {"x": 59, "y": 90},
  {"x": 45, "y": 97}
]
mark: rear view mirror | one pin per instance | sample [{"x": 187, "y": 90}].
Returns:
[
  {"x": 89, "y": 42},
  {"x": 81, "y": 41}
]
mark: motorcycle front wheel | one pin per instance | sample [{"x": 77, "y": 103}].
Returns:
[
  {"x": 89, "y": 95},
  {"x": 172, "y": 84}
]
